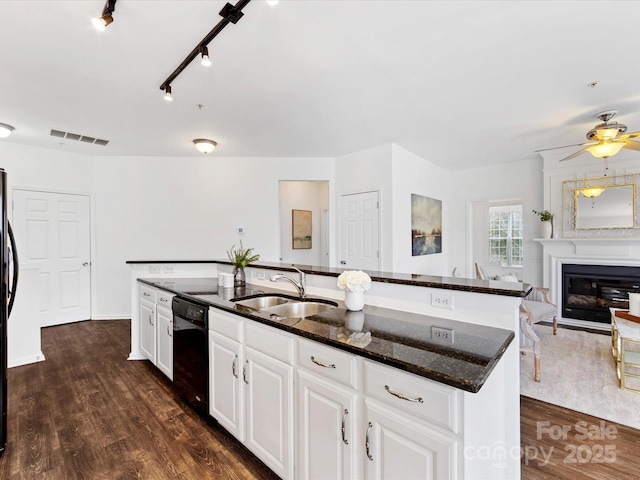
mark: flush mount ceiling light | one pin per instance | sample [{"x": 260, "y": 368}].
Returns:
[
  {"x": 107, "y": 16},
  {"x": 230, "y": 14},
  {"x": 205, "y": 146},
  {"x": 5, "y": 130}
]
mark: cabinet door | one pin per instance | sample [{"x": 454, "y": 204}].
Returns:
[
  {"x": 398, "y": 446},
  {"x": 148, "y": 329},
  {"x": 269, "y": 410},
  {"x": 328, "y": 439},
  {"x": 164, "y": 319},
  {"x": 225, "y": 383}
]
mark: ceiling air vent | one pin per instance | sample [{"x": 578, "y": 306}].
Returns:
[{"x": 80, "y": 138}]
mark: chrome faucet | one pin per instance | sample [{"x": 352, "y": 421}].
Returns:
[{"x": 301, "y": 285}]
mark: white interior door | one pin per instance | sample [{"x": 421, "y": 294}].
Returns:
[
  {"x": 359, "y": 231},
  {"x": 53, "y": 231}
]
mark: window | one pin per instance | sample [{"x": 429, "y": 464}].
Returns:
[{"x": 505, "y": 235}]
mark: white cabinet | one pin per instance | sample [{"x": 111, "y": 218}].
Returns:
[
  {"x": 147, "y": 315},
  {"x": 156, "y": 328},
  {"x": 401, "y": 447},
  {"x": 226, "y": 389},
  {"x": 411, "y": 425},
  {"x": 251, "y": 387},
  {"x": 164, "y": 357},
  {"x": 328, "y": 438}
]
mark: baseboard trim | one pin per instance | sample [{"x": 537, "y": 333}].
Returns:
[{"x": 17, "y": 362}]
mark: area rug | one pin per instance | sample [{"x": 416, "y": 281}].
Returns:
[{"x": 578, "y": 372}]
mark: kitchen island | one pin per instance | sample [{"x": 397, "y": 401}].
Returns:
[{"x": 457, "y": 410}]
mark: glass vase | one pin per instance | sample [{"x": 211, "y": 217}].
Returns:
[{"x": 239, "y": 279}]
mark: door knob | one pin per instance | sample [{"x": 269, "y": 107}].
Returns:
[
  {"x": 342, "y": 262},
  {"x": 85, "y": 264}
]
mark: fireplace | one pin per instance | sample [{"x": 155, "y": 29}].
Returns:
[{"x": 588, "y": 291}]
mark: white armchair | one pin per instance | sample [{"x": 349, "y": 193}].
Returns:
[
  {"x": 494, "y": 271},
  {"x": 536, "y": 307}
]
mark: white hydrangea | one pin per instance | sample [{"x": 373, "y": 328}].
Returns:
[{"x": 354, "y": 281}]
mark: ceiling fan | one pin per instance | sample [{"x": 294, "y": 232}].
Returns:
[{"x": 605, "y": 139}]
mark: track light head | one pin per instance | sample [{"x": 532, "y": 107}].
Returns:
[
  {"x": 204, "y": 52},
  {"x": 103, "y": 22},
  {"x": 107, "y": 16},
  {"x": 5, "y": 130},
  {"x": 167, "y": 94}
]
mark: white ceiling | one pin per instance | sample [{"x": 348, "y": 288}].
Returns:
[{"x": 459, "y": 83}]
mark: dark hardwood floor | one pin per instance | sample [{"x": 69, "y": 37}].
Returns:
[{"x": 88, "y": 413}]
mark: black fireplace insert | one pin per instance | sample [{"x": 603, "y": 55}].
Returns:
[{"x": 588, "y": 291}]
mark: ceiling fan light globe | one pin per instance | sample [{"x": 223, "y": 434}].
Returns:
[
  {"x": 607, "y": 133},
  {"x": 605, "y": 149}
]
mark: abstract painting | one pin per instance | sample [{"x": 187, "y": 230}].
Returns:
[
  {"x": 301, "y": 228},
  {"x": 426, "y": 225}
]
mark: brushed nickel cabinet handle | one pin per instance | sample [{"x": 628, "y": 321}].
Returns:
[
  {"x": 344, "y": 418},
  {"x": 233, "y": 366},
  {"x": 244, "y": 372},
  {"x": 145, "y": 294},
  {"x": 322, "y": 364},
  {"x": 402, "y": 396},
  {"x": 366, "y": 442}
]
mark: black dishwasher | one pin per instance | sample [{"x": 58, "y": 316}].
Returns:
[{"x": 190, "y": 352}]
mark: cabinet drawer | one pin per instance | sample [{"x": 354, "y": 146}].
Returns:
[
  {"x": 148, "y": 293},
  {"x": 270, "y": 341},
  {"x": 440, "y": 403},
  {"x": 328, "y": 362},
  {"x": 225, "y": 324},
  {"x": 164, "y": 298}
]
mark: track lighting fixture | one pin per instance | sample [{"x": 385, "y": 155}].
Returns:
[
  {"x": 5, "y": 130},
  {"x": 230, "y": 14},
  {"x": 107, "y": 16},
  {"x": 204, "y": 52},
  {"x": 205, "y": 146},
  {"x": 167, "y": 94}
]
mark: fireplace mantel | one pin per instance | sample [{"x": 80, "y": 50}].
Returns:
[{"x": 583, "y": 251}]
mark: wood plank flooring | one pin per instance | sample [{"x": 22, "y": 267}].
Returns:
[{"x": 88, "y": 413}]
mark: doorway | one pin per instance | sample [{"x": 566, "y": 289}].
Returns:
[
  {"x": 53, "y": 231},
  {"x": 311, "y": 198}
]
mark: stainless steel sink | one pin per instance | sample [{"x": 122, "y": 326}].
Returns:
[
  {"x": 259, "y": 303},
  {"x": 283, "y": 307},
  {"x": 299, "y": 309}
]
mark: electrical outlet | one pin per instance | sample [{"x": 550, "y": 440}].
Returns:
[
  {"x": 168, "y": 269},
  {"x": 442, "y": 300},
  {"x": 154, "y": 269},
  {"x": 441, "y": 333},
  {"x": 260, "y": 276}
]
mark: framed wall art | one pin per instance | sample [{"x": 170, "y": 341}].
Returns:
[
  {"x": 426, "y": 225},
  {"x": 301, "y": 229}
]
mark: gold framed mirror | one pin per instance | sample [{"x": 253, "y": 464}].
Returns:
[{"x": 600, "y": 206}]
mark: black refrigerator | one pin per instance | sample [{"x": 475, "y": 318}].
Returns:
[{"x": 9, "y": 274}]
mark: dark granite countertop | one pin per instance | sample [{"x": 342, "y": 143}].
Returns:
[
  {"x": 491, "y": 287},
  {"x": 396, "y": 338}
]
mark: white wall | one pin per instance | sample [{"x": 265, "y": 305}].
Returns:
[
  {"x": 511, "y": 181},
  {"x": 366, "y": 171},
  {"x": 413, "y": 174}
]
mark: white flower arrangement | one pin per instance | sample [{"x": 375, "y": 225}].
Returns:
[{"x": 354, "y": 281}]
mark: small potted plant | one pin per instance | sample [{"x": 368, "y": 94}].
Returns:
[
  {"x": 240, "y": 258},
  {"x": 546, "y": 217}
]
